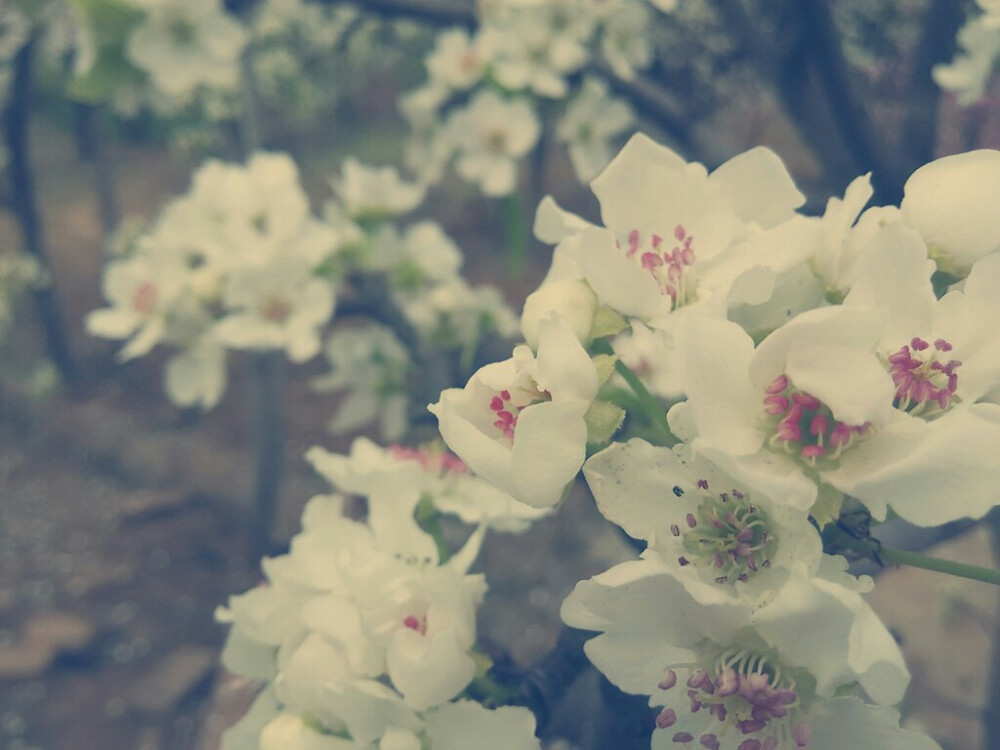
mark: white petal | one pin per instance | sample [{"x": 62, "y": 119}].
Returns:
[
  {"x": 929, "y": 472},
  {"x": 759, "y": 187}
]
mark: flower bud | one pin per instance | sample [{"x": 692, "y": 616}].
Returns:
[{"x": 572, "y": 299}]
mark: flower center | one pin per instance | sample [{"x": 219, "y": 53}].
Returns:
[
  {"x": 925, "y": 385},
  {"x": 667, "y": 266},
  {"x": 804, "y": 425},
  {"x": 276, "y": 309},
  {"x": 496, "y": 141},
  {"x": 728, "y": 535},
  {"x": 744, "y": 692},
  {"x": 507, "y": 408},
  {"x": 416, "y": 624},
  {"x": 144, "y": 298}
]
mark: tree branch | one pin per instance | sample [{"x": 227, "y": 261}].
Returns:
[
  {"x": 937, "y": 44},
  {"x": 868, "y": 151},
  {"x": 16, "y": 119}
]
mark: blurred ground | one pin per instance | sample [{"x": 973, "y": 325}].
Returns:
[{"x": 122, "y": 523}]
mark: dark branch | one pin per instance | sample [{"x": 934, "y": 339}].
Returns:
[
  {"x": 437, "y": 12},
  {"x": 937, "y": 44},
  {"x": 653, "y": 102},
  {"x": 16, "y": 120},
  {"x": 869, "y": 151}
]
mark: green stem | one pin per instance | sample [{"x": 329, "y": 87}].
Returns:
[
  {"x": 974, "y": 572},
  {"x": 429, "y": 519},
  {"x": 650, "y": 406},
  {"x": 515, "y": 232}
]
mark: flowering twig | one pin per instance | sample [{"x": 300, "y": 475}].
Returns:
[{"x": 961, "y": 570}]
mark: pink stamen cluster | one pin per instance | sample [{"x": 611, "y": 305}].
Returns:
[
  {"x": 506, "y": 420},
  {"x": 144, "y": 298},
  {"x": 433, "y": 461},
  {"x": 666, "y": 266},
  {"x": 754, "y": 701},
  {"x": 728, "y": 535},
  {"x": 805, "y": 425},
  {"x": 922, "y": 381},
  {"x": 416, "y": 624}
]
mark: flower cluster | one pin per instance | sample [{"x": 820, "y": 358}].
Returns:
[
  {"x": 808, "y": 359},
  {"x": 969, "y": 74},
  {"x": 421, "y": 266},
  {"x": 364, "y": 633},
  {"x": 232, "y": 264},
  {"x": 479, "y": 105}
]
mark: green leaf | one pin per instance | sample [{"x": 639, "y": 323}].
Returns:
[
  {"x": 605, "y": 365},
  {"x": 607, "y": 322},
  {"x": 827, "y": 507},
  {"x": 603, "y": 420}
]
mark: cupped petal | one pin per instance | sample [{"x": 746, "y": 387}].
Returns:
[
  {"x": 952, "y": 203},
  {"x": 617, "y": 281},
  {"x": 564, "y": 368},
  {"x": 549, "y": 449},
  {"x": 759, "y": 187},
  {"x": 831, "y": 631},
  {"x": 858, "y": 326},
  {"x": 929, "y": 472},
  {"x": 852, "y": 382},
  {"x": 553, "y": 223},
  {"x": 724, "y": 407},
  {"x": 851, "y": 723}
]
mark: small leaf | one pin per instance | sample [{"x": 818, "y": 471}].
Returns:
[
  {"x": 607, "y": 322},
  {"x": 603, "y": 420},
  {"x": 605, "y": 365},
  {"x": 827, "y": 507}
]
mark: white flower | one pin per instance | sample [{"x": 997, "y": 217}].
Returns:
[
  {"x": 142, "y": 291},
  {"x": 185, "y": 44},
  {"x": 277, "y": 306},
  {"x": 863, "y": 397},
  {"x": 457, "y": 61},
  {"x": 625, "y": 42},
  {"x": 490, "y": 136},
  {"x": 539, "y": 45},
  {"x": 351, "y": 604},
  {"x": 968, "y": 74},
  {"x": 367, "y": 192},
  {"x": 729, "y": 674},
  {"x": 418, "y": 473},
  {"x": 951, "y": 202},
  {"x": 591, "y": 121},
  {"x": 677, "y": 236},
  {"x": 690, "y": 512},
  {"x": 197, "y": 375},
  {"x": 372, "y": 365},
  {"x": 519, "y": 423}
]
